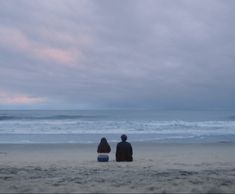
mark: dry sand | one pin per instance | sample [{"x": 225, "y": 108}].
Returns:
[{"x": 157, "y": 168}]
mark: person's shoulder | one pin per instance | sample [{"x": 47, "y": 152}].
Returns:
[
  {"x": 119, "y": 143},
  {"x": 128, "y": 143}
]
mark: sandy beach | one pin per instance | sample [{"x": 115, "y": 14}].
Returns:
[{"x": 157, "y": 168}]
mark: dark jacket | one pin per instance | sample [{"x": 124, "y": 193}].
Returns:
[{"x": 124, "y": 152}]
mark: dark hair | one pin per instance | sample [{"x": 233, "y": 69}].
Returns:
[
  {"x": 103, "y": 146},
  {"x": 124, "y": 137}
]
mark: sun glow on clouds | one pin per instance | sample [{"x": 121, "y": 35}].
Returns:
[
  {"x": 16, "y": 40},
  {"x": 19, "y": 99},
  {"x": 53, "y": 54}
]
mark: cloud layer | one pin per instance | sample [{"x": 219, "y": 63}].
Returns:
[{"x": 118, "y": 54}]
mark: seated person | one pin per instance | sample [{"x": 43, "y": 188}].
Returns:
[
  {"x": 103, "y": 150},
  {"x": 124, "y": 150}
]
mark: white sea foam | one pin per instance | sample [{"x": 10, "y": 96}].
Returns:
[
  {"x": 142, "y": 127},
  {"x": 97, "y": 127}
]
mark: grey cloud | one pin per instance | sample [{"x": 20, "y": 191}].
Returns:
[{"x": 142, "y": 54}]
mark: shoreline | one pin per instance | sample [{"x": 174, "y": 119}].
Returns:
[{"x": 112, "y": 138}]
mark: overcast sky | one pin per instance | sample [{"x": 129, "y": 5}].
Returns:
[{"x": 163, "y": 54}]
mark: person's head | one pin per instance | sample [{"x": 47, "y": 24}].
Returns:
[
  {"x": 123, "y": 137},
  {"x": 103, "y": 140}
]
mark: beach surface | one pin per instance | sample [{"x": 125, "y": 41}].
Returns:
[{"x": 157, "y": 168}]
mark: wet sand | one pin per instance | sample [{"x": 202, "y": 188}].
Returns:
[{"x": 157, "y": 168}]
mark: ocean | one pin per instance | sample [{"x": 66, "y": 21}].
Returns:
[{"x": 88, "y": 126}]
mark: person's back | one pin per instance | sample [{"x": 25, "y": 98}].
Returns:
[
  {"x": 124, "y": 150},
  {"x": 103, "y": 150}
]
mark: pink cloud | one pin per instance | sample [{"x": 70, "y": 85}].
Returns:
[
  {"x": 57, "y": 55},
  {"x": 14, "y": 39},
  {"x": 19, "y": 99}
]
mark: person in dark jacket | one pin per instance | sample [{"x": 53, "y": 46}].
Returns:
[
  {"x": 124, "y": 150},
  {"x": 103, "y": 150}
]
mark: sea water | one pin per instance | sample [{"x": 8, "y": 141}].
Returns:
[{"x": 88, "y": 126}]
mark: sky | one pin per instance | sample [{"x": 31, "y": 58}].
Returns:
[{"x": 114, "y": 54}]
